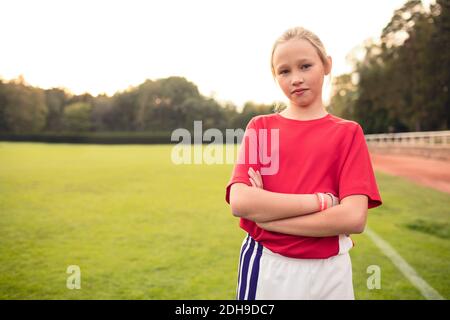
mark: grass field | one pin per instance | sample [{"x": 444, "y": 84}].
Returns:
[{"x": 140, "y": 227}]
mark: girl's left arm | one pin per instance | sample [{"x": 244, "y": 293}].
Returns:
[{"x": 348, "y": 217}]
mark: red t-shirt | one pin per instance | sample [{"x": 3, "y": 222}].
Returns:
[{"x": 327, "y": 154}]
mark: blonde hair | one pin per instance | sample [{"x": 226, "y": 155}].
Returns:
[{"x": 299, "y": 33}]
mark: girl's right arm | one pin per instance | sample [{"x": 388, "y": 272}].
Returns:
[{"x": 260, "y": 205}]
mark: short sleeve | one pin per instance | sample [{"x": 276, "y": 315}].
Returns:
[
  {"x": 357, "y": 175},
  {"x": 247, "y": 157}
]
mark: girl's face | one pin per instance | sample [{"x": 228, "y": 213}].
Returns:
[{"x": 299, "y": 71}]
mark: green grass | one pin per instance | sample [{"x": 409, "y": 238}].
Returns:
[
  {"x": 140, "y": 227},
  {"x": 414, "y": 220}
]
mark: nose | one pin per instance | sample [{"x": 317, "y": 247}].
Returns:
[{"x": 297, "y": 79}]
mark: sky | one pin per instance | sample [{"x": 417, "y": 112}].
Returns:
[{"x": 223, "y": 47}]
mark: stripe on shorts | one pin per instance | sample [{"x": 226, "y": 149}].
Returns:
[
  {"x": 249, "y": 270},
  {"x": 244, "y": 270},
  {"x": 255, "y": 273},
  {"x": 244, "y": 245}
]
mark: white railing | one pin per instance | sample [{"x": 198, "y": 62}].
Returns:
[{"x": 432, "y": 139}]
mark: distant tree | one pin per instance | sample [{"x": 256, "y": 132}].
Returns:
[
  {"x": 77, "y": 117},
  {"x": 124, "y": 111},
  {"x": 102, "y": 113},
  {"x": 22, "y": 107},
  {"x": 344, "y": 96},
  {"x": 250, "y": 110},
  {"x": 439, "y": 58},
  {"x": 55, "y": 99},
  {"x": 3, "y": 102},
  {"x": 402, "y": 78}
]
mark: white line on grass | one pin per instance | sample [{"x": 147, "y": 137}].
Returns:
[{"x": 427, "y": 291}]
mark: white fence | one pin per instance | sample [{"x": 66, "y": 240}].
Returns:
[{"x": 429, "y": 139}]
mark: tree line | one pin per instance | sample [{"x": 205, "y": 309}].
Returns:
[
  {"x": 153, "y": 106},
  {"x": 400, "y": 84}
]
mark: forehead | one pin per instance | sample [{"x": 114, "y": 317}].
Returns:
[{"x": 293, "y": 51}]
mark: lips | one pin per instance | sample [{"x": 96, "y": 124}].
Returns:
[{"x": 298, "y": 91}]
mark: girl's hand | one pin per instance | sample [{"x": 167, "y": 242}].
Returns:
[{"x": 255, "y": 178}]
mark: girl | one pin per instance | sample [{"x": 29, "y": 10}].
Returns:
[{"x": 297, "y": 239}]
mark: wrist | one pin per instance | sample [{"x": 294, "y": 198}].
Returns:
[
  {"x": 334, "y": 199},
  {"x": 322, "y": 201},
  {"x": 326, "y": 200},
  {"x": 329, "y": 200}
]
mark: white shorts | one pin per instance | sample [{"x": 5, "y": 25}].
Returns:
[{"x": 265, "y": 275}]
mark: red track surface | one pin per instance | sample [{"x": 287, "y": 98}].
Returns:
[{"x": 428, "y": 172}]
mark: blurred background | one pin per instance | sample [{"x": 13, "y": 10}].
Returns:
[{"x": 91, "y": 91}]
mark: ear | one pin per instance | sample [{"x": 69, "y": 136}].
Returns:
[{"x": 329, "y": 65}]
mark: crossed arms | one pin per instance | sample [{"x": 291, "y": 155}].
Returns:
[{"x": 296, "y": 214}]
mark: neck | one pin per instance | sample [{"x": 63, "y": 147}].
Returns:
[{"x": 312, "y": 111}]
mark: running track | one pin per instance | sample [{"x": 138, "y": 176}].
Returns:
[{"x": 428, "y": 172}]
